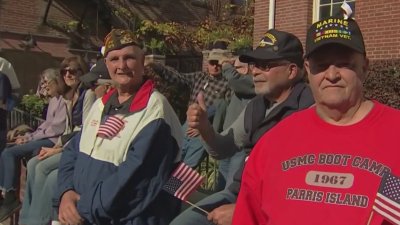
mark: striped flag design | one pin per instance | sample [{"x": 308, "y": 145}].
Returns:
[
  {"x": 387, "y": 202},
  {"x": 111, "y": 127},
  {"x": 183, "y": 181}
]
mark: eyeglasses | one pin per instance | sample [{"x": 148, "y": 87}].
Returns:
[
  {"x": 70, "y": 71},
  {"x": 265, "y": 65}
]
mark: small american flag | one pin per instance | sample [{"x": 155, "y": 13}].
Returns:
[
  {"x": 111, "y": 127},
  {"x": 183, "y": 181},
  {"x": 387, "y": 202}
]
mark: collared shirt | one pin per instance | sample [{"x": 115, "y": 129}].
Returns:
[
  {"x": 213, "y": 87},
  {"x": 113, "y": 106}
]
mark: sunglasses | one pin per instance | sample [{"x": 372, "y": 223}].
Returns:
[
  {"x": 265, "y": 65},
  {"x": 70, "y": 71},
  {"x": 214, "y": 63}
]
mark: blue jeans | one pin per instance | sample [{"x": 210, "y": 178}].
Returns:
[
  {"x": 10, "y": 161},
  {"x": 194, "y": 216},
  {"x": 40, "y": 186},
  {"x": 228, "y": 167},
  {"x": 192, "y": 149}
]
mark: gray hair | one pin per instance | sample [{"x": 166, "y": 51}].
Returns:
[{"x": 51, "y": 74}]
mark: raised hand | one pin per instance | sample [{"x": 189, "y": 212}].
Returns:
[{"x": 197, "y": 114}]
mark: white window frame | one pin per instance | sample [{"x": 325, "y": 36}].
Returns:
[{"x": 317, "y": 5}]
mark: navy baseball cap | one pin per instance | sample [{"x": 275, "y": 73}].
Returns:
[
  {"x": 98, "y": 71},
  {"x": 275, "y": 45}
]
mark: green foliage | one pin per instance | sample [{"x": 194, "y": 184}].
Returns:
[
  {"x": 123, "y": 12},
  {"x": 240, "y": 43},
  {"x": 237, "y": 32},
  {"x": 174, "y": 38},
  {"x": 156, "y": 46},
  {"x": 209, "y": 169},
  {"x": 33, "y": 104},
  {"x": 383, "y": 82},
  {"x": 167, "y": 38}
]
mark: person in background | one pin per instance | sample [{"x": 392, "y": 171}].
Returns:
[
  {"x": 41, "y": 89},
  {"x": 98, "y": 79},
  {"x": 7, "y": 69},
  {"x": 240, "y": 80},
  {"x": 8, "y": 83},
  {"x": 45, "y": 135},
  {"x": 5, "y": 94},
  {"x": 211, "y": 83},
  {"x": 37, "y": 207},
  {"x": 114, "y": 170},
  {"x": 277, "y": 69},
  {"x": 324, "y": 165},
  {"x": 79, "y": 98}
]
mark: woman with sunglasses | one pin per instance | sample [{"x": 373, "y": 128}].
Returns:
[
  {"x": 45, "y": 135},
  {"x": 42, "y": 170}
]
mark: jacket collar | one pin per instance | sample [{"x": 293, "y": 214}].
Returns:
[{"x": 141, "y": 98}]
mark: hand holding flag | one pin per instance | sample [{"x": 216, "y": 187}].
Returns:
[{"x": 183, "y": 181}]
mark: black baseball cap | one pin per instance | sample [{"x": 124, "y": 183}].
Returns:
[
  {"x": 276, "y": 45},
  {"x": 98, "y": 71},
  {"x": 335, "y": 30}
]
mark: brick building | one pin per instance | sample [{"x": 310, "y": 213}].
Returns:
[
  {"x": 30, "y": 42},
  {"x": 379, "y": 21},
  {"x": 37, "y": 34}
]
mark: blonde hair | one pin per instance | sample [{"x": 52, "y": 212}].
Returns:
[{"x": 75, "y": 60}]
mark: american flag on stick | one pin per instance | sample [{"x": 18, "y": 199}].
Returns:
[
  {"x": 183, "y": 181},
  {"x": 387, "y": 202}
]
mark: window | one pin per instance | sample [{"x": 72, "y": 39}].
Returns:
[{"x": 327, "y": 8}]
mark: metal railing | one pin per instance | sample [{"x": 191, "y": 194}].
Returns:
[{"x": 17, "y": 117}]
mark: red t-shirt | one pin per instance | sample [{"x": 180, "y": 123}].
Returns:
[{"x": 307, "y": 172}]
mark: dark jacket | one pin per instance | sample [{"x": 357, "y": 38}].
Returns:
[{"x": 256, "y": 124}]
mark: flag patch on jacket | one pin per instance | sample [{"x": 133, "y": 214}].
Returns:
[{"x": 111, "y": 127}]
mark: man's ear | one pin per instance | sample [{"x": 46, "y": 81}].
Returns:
[
  {"x": 307, "y": 66},
  {"x": 365, "y": 68},
  {"x": 293, "y": 71}
]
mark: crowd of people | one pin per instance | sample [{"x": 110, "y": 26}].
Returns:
[{"x": 295, "y": 138}]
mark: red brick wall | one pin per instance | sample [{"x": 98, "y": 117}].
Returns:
[
  {"x": 25, "y": 16},
  {"x": 293, "y": 16},
  {"x": 261, "y": 10},
  {"x": 17, "y": 20},
  {"x": 380, "y": 23}
]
